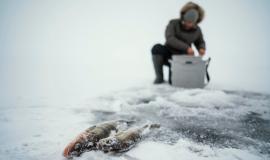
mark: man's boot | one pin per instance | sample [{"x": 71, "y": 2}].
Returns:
[
  {"x": 170, "y": 75},
  {"x": 158, "y": 66}
]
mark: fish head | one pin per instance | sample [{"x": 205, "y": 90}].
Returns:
[{"x": 84, "y": 141}]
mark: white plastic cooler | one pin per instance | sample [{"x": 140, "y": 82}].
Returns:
[{"x": 189, "y": 71}]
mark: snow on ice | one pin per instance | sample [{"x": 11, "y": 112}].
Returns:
[{"x": 195, "y": 124}]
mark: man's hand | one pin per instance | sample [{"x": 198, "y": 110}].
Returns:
[
  {"x": 190, "y": 51},
  {"x": 202, "y": 52}
]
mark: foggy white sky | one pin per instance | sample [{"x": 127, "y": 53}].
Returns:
[{"x": 61, "y": 49}]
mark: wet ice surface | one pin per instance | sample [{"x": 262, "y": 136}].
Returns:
[
  {"x": 212, "y": 118},
  {"x": 195, "y": 124}
]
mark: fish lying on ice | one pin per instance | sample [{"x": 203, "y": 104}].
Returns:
[
  {"x": 123, "y": 141},
  {"x": 87, "y": 140}
]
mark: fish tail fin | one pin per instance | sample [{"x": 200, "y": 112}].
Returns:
[{"x": 154, "y": 125}]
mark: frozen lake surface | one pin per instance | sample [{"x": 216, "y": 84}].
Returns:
[{"x": 195, "y": 124}]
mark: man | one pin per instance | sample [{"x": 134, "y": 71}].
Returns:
[{"x": 180, "y": 34}]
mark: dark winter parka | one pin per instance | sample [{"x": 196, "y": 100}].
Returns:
[{"x": 178, "y": 40}]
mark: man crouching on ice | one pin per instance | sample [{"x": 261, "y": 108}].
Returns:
[{"x": 180, "y": 34}]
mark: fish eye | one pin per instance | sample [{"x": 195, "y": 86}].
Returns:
[{"x": 77, "y": 146}]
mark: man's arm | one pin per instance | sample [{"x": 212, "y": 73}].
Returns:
[
  {"x": 200, "y": 43},
  {"x": 171, "y": 40}
]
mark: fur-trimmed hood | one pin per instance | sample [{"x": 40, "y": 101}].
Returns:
[{"x": 191, "y": 5}]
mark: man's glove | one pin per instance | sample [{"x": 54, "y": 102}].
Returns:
[
  {"x": 202, "y": 52},
  {"x": 190, "y": 51}
]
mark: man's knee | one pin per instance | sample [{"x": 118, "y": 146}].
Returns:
[{"x": 157, "y": 49}]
